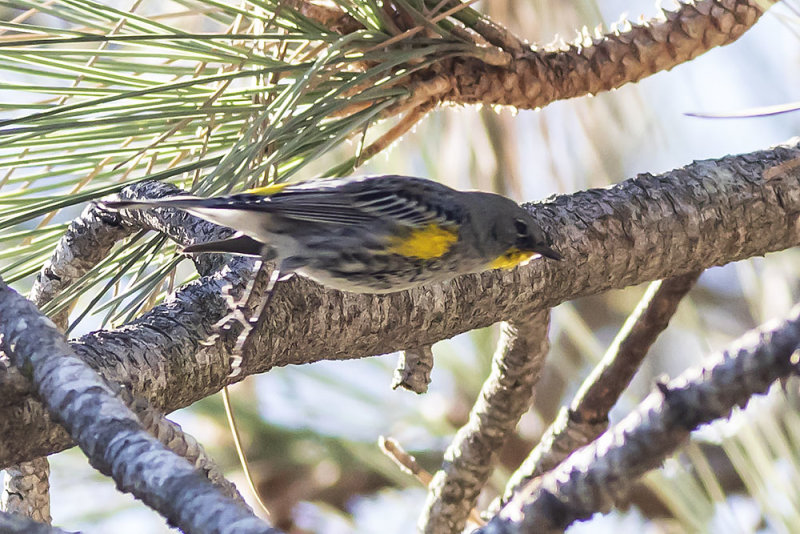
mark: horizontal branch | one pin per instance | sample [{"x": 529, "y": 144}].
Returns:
[
  {"x": 648, "y": 228},
  {"x": 591, "y": 478}
]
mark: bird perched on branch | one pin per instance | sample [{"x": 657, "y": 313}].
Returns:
[{"x": 376, "y": 234}]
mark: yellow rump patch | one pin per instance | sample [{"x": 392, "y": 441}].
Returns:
[
  {"x": 267, "y": 190},
  {"x": 425, "y": 243},
  {"x": 511, "y": 259}
]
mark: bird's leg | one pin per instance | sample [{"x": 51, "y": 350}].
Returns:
[
  {"x": 249, "y": 323},
  {"x": 239, "y": 310},
  {"x": 236, "y": 307}
]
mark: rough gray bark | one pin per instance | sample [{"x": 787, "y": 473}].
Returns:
[
  {"x": 593, "y": 477},
  {"x": 26, "y": 490},
  {"x": 179, "y": 326},
  {"x": 175, "y": 439},
  {"x": 587, "y": 415},
  {"x": 413, "y": 370},
  {"x": 108, "y": 432},
  {"x": 17, "y": 524},
  {"x": 537, "y": 77},
  {"x": 85, "y": 243},
  {"x": 506, "y": 394},
  {"x": 648, "y": 228},
  {"x": 178, "y": 225}
]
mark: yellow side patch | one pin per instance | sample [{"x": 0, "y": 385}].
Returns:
[
  {"x": 267, "y": 190},
  {"x": 511, "y": 259},
  {"x": 425, "y": 243}
]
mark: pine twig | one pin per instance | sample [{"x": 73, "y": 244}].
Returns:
[
  {"x": 592, "y": 477},
  {"x": 413, "y": 370},
  {"x": 504, "y": 397},
  {"x": 407, "y": 463},
  {"x": 587, "y": 416}
]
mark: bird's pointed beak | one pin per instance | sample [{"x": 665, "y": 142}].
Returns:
[{"x": 548, "y": 252}]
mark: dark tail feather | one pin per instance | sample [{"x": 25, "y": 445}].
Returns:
[
  {"x": 239, "y": 244},
  {"x": 179, "y": 202},
  {"x": 548, "y": 252}
]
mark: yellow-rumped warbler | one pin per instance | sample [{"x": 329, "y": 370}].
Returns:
[{"x": 372, "y": 234}]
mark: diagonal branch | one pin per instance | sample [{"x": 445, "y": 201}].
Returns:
[
  {"x": 591, "y": 478},
  {"x": 86, "y": 242},
  {"x": 108, "y": 432},
  {"x": 587, "y": 416},
  {"x": 172, "y": 436},
  {"x": 596, "y": 64},
  {"x": 648, "y": 228},
  {"x": 504, "y": 397},
  {"x": 530, "y": 77}
]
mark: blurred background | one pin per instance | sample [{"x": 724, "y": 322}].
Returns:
[{"x": 311, "y": 432}]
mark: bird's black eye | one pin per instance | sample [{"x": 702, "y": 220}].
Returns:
[{"x": 522, "y": 227}]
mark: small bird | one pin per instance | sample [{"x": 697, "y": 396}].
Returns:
[{"x": 369, "y": 234}]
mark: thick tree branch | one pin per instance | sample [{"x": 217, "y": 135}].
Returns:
[
  {"x": 108, "y": 432},
  {"x": 127, "y": 356},
  {"x": 652, "y": 227},
  {"x": 529, "y": 77},
  {"x": 504, "y": 397},
  {"x": 587, "y": 416},
  {"x": 11, "y": 523},
  {"x": 592, "y": 477},
  {"x": 86, "y": 242},
  {"x": 173, "y": 437},
  {"x": 541, "y": 76},
  {"x": 26, "y": 490}
]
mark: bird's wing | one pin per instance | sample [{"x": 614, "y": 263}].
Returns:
[{"x": 405, "y": 201}]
